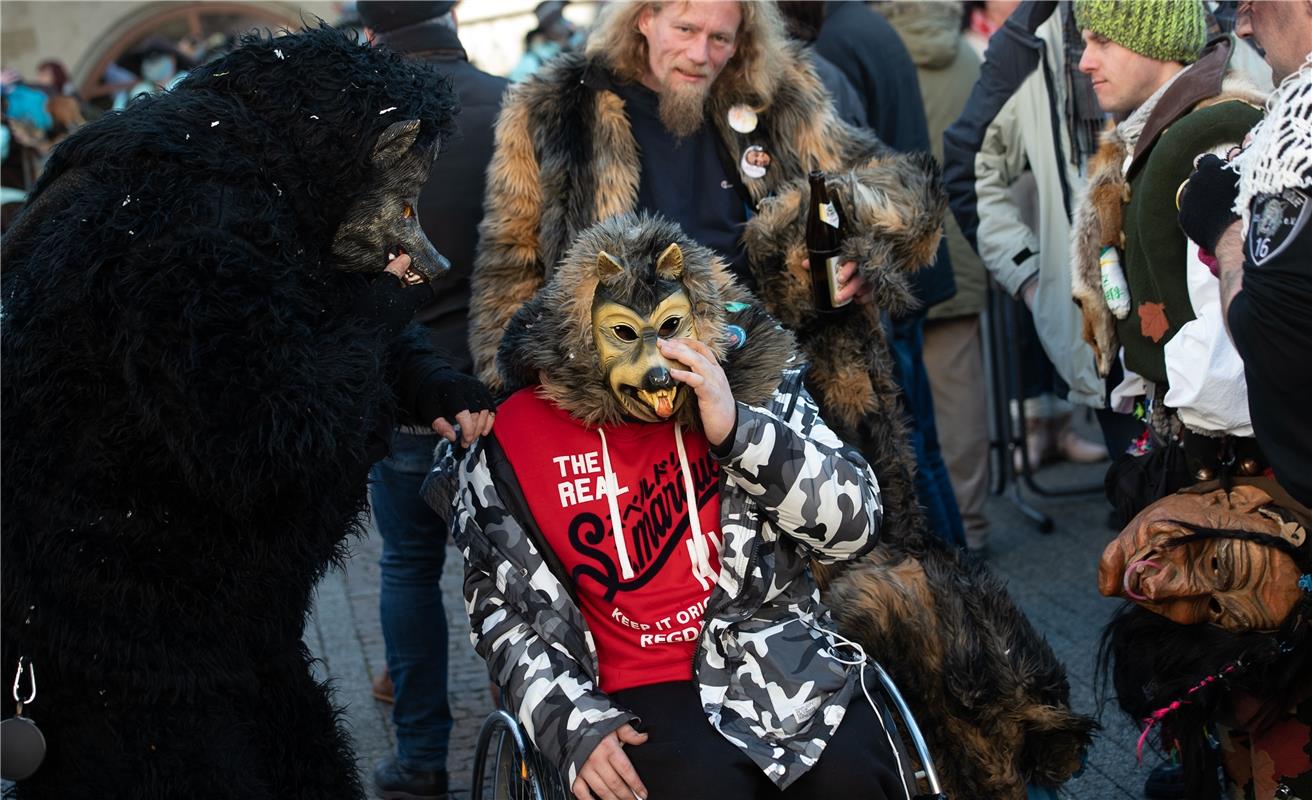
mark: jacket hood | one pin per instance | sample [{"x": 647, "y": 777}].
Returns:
[
  {"x": 302, "y": 111},
  {"x": 931, "y": 31},
  {"x": 551, "y": 336}
]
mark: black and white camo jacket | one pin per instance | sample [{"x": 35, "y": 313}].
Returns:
[{"x": 790, "y": 491}]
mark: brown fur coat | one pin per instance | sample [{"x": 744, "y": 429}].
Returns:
[
  {"x": 986, "y": 690},
  {"x": 566, "y": 158}
]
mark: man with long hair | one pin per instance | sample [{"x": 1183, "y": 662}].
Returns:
[{"x": 658, "y": 114}]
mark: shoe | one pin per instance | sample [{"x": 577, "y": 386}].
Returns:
[
  {"x": 1165, "y": 782},
  {"x": 1038, "y": 444},
  {"x": 382, "y": 689},
  {"x": 395, "y": 781},
  {"x": 1073, "y": 447}
]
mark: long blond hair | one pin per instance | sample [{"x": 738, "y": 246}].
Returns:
[{"x": 616, "y": 41}]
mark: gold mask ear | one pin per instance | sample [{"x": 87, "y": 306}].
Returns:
[
  {"x": 670, "y": 263},
  {"x": 607, "y": 266}
]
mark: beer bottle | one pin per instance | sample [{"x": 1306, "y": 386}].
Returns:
[{"x": 824, "y": 238}]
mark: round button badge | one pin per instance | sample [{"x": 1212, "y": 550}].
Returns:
[{"x": 742, "y": 118}]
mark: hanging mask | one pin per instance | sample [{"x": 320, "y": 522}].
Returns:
[
  {"x": 629, "y": 317},
  {"x": 1234, "y": 583}
]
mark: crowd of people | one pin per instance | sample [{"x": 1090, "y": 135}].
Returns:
[
  {"x": 40, "y": 111},
  {"x": 1027, "y": 165},
  {"x": 638, "y": 442}
]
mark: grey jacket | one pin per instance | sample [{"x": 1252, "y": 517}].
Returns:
[
  {"x": 790, "y": 491},
  {"x": 1011, "y": 123}
]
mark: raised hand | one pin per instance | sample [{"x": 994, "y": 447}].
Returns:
[{"x": 706, "y": 378}]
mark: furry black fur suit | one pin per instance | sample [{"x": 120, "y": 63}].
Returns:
[{"x": 189, "y": 398}]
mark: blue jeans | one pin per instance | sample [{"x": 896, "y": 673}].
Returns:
[
  {"x": 933, "y": 486},
  {"x": 414, "y": 620}
]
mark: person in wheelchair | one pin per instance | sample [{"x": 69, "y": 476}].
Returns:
[{"x": 638, "y": 533}]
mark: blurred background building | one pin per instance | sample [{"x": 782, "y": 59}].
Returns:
[
  {"x": 89, "y": 37},
  {"x": 63, "y": 63}
]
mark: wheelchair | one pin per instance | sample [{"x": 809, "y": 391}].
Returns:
[{"x": 508, "y": 765}]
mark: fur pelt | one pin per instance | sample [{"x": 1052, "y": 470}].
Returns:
[
  {"x": 1099, "y": 216},
  {"x": 985, "y": 688},
  {"x": 550, "y": 340},
  {"x": 187, "y": 405},
  {"x": 851, "y": 371},
  {"x": 1097, "y": 224},
  {"x": 566, "y": 158}
]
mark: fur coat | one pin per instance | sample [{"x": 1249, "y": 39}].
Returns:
[
  {"x": 189, "y": 400},
  {"x": 566, "y": 158}
]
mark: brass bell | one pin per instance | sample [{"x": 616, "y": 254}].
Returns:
[
  {"x": 1204, "y": 474},
  {"x": 1248, "y": 466}
]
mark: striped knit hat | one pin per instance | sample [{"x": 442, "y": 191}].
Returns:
[{"x": 1163, "y": 30}]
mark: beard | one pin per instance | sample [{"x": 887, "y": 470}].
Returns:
[{"x": 683, "y": 107}]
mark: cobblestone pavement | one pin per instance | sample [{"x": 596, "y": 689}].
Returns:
[{"x": 1052, "y": 577}]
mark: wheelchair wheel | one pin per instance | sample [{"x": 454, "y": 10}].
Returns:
[
  {"x": 508, "y": 767},
  {"x": 916, "y": 765}
]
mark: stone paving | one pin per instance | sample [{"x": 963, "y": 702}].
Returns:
[{"x": 1052, "y": 578}]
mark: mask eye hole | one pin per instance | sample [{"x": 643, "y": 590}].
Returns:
[
  {"x": 624, "y": 333},
  {"x": 408, "y": 211},
  {"x": 1216, "y": 564},
  {"x": 1214, "y": 607},
  {"x": 670, "y": 326}
]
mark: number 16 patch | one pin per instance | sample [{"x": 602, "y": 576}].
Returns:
[{"x": 1276, "y": 221}]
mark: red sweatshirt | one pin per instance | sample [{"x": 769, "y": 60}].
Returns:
[{"x": 643, "y": 594}]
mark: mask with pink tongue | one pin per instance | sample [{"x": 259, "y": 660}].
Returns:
[
  {"x": 1208, "y": 557},
  {"x": 629, "y": 318}
]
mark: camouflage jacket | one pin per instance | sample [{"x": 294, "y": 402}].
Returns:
[{"x": 790, "y": 491}]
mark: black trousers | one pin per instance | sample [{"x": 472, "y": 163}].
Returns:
[{"x": 684, "y": 758}]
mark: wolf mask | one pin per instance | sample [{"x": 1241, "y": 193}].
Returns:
[
  {"x": 383, "y": 220},
  {"x": 589, "y": 337},
  {"x": 626, "y": 326},
  {"x": 333, "y": 137}
]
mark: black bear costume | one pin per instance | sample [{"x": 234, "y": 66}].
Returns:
[{"x": 196, "y": 377}]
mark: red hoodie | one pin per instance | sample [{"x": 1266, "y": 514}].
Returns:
[{"x": 642, "y": 596}]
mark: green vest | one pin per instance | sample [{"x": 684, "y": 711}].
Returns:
[{"x": 1155, "y": 249}]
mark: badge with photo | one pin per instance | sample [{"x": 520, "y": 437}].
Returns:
[{"x": 755, "y": 161}]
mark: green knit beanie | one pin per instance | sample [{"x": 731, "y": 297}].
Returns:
[{"x": 1163, "y": 30}]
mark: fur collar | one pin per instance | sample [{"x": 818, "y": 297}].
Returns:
[
  {"x": 1099, "y": 216},
  {"x": 551, "y": 335}
]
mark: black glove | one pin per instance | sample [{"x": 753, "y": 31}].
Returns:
[
  {"x": 1206, "y": 200},
  {"x": 443, "y": 392}
]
